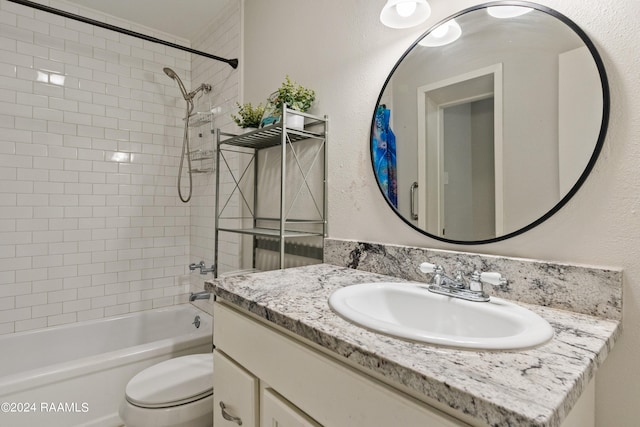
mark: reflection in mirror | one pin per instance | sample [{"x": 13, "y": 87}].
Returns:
[{"x": 490, "y": 122}]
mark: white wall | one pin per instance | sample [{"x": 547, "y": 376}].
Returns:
[{"x": 342, "y": 51}]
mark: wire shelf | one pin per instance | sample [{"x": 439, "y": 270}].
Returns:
[
  {"x": 200, "y": 119},
  {"x": 202, "y": 154}
]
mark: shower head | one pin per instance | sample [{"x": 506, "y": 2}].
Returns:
[
  {"x": 188, "y": 96},
  {"x": 169, "y": 72}
]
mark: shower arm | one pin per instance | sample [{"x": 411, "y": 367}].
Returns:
[{"x": 204, "y": 87}]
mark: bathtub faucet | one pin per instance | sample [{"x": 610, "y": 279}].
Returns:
[
  {"x": 199, "y": 295},
  {"x": 203, "y": 268}
]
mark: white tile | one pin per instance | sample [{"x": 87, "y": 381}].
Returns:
[
  {"x": 30, "y": 324},
  {"x": 91, "y": 292},
  {"x": 103, "y": 279},
  {"x": 62, "y": 319},
  {"x": 96, "y": 269},
  {"x": 62, "y": 296},
  {"x": 31, "y": 275},
  {"x": 15, "y": 314},
  {"x": 7, "y": 303},
  {"x": 97, "y": 313},
  {"x": 63, "y": 33},
  {"x": 15, "y": 238},
  {"x": 46, "y": 310},
  {"x": 76, "y": 305},
  {"x": 76, "y": 283},
  {"x": 47, "y": 236},
  {"x": 114, "y": 225},
  {"x": 28, "y": 48},
  {"x": 30, "y": 300},
  {"x": 104, "y": 301},
  {"x": 37, "y": 249}
]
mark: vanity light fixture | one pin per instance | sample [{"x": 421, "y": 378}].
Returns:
[
  {"x": 405, "y": 13},
  {"x": 444, "y": 34},
  {"x": 506, "y": 12}
]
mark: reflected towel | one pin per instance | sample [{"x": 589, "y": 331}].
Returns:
[{"x": 384, "y": 155}]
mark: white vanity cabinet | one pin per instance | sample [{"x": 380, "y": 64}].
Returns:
[
  {"x": 235, "y": 397},
  {"x": 287, "y": 383},
  {"x": 242, "y": 400},
  {"x": 275, "y": 411}
]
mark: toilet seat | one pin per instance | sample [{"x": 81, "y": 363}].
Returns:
[{"x": 173, "y": 382}]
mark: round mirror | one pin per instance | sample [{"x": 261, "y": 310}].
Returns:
[{"x": 490, "y": 122}]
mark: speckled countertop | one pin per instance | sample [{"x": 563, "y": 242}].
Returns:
[{"x": 535, "y": 387}]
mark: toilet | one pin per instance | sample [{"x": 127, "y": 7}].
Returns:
[{"x": 174, "y": 393}]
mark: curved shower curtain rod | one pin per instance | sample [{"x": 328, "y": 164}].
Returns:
[{"x": 232, "y": 62}]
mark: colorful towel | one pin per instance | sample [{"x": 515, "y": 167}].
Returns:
[{"x": 384, "y": 155}]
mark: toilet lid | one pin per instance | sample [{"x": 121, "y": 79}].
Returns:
[{"x": 172, "y": 382}]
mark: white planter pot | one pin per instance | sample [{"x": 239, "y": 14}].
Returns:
[{"x": 295, "y": 121}]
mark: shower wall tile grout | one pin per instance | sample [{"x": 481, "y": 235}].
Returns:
[
  {"x": 90, "y": 141},
  {"x": 222, "y": 37}
]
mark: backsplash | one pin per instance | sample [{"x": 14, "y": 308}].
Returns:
[{"x": 582, "y": 289}]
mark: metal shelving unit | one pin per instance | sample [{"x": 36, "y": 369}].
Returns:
[{"x": 284, "y": 226}]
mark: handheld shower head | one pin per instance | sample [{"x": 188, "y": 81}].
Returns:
[
  {"x": 169, "y": 72},
  {"x": 188, "y": 97}
]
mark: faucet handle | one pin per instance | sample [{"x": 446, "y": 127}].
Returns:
[
  {"x": 428, "y": 268},
  {"x": 493, "y": 279}
]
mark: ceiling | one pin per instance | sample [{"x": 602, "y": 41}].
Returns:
[{"x": 181, "y": 18}]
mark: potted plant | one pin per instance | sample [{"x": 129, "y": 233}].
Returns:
[
  {"x": 248, "y": 116},
  {"x": 296, "y": 97}
]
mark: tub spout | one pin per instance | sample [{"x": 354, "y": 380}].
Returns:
[{"x": 199, "y": 295}]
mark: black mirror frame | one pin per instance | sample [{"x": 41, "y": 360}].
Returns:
[{"x": 606, "y": 103}]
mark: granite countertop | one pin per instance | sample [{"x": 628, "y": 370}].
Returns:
[{"x": 534, "y": 387}]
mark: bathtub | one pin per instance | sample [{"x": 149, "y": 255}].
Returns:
[{"x": 75, "y": 375}]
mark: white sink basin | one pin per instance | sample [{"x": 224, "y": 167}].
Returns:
[{"x": 410, "y": 311}]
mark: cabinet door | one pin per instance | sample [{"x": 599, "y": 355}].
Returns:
[
  {"x": 276, "y": 411},
  {"x": 235, "y": 394}
]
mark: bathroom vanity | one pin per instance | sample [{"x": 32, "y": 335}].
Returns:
[{"x": 282, "y": 356}]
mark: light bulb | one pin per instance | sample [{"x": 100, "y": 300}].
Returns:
[
  {"x": 442, "y": 35},
  {"x": 441, "y": 31},
  {"x": 404, "y": 13},
  {"x": 406, "y": 9}
]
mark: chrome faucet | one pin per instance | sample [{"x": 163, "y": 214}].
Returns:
[
  {"x": 203, "y": 268},
  {"x": 199, "y": 295},
  {"x": 456, "y": 287}
]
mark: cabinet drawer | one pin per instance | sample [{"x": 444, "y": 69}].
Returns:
[
  {"x": 330, "y": 392},
  {"x": 275, "y": 411},
  {"x": 237, "y": 390}
]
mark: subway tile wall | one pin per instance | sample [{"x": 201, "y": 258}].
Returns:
[
  {"x": 221, "y": 38},
  {"x": 90, "y": 140}
]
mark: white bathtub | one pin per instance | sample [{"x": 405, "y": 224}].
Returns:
[{"x": 75, "y": 375}]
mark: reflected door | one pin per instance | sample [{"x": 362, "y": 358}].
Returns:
[
  {"x": 460, "y": 151},
  {"x": 468, "y": 186}
]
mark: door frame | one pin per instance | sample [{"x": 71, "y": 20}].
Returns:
[{"x": 431, "y": 143}]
